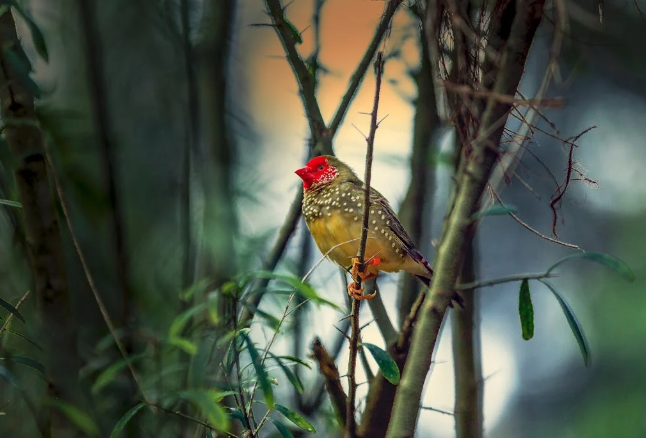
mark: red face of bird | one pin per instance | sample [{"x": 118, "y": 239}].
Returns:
[{"x": 317, "y": 170}]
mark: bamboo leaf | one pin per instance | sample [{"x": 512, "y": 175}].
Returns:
[
  {"x": 77, "y": 416},
  {"x": 284, "y": 431},
  {"x": 293, "y": 378},
  {"x": 36, "y": 35},
  {"x": 205, "y": 403},
  {"x": 386, "y": 364},
  {"x": 184, "y": 344},
  {"x": 577, "y": 331},
  {"x": 10, "y": 203},
  {"x": 110, "y": 373},
  {"x": 295, "y": 418},
  {"x": 295, "y": 360},
  {"x": 261, "y": 373},
  {"x": 526, "y": 310},
  {"x": 123, "y": 421},
  {"x": 22, "y": 67},
  {"x": 497, "y": 210},
  {"x": 11, "y": 309},
  {"x": 31, "y": 363},
  {"x": 611, "y": 262}
]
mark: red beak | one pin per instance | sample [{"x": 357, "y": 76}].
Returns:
[{"x": 306, "y": 175}]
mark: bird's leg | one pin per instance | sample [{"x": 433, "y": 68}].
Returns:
[{"x": 355, "y": 293}]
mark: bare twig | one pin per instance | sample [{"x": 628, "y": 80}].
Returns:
[
  {"x": 529, "y": 228},
  {"x": 467, "y": 90},
  {"x": 360, "y": 72},
  {"x": 502, "y": 280},
  {"x": 350, "y": 431},
  {"x": 186, "y": 417}
]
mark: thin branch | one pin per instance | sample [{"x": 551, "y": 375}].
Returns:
[
  {"x": 350, "y": 431},
  {"x": 385, "y": 325},
  {"x": 529, "y": 228},
  {"x": 504, "y": 98},
  {"x": 439, "y": 411},
  {"x": 186, "y": 417},
  {"x": 10, "y": 317},
  {"x": 363, "y": 66},
  {"x": 90, "y": 279},
  {"x": 502, "y": 280}
]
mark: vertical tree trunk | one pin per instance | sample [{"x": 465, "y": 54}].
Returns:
[{"x": 27, "y": 144}]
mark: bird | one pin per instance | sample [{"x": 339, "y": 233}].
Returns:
[{"x": 333, "y": 206}]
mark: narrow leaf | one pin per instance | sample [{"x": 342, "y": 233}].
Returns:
[
  {"x": 263, "y": 378},
  {"x": 293, "y": 378},
  {"x": 20, "y": 63},
  {"x": 497, "y": 210},
  {"x": 613, "y": 263},
  {"x": 110, "y": 373},
  {"x": 184, "y": 344},
  {"x": 10, "y": 203},
  {"x": 526, "y": 310},
  {"x": 296, "y": 360},
  {"x": 27, "y": 362},
  {"x": 284, "y": 431},
  {"x": 577, "y": 331},
  {"x": 205, "y": 403},
  {"x": 295, "y": 418},
  {"x": 123, "y": 421},
  {"x": 386, "y": 364},
  {"x": 11, "y": 309},
  {"x": 36, "y": 34},
  {"x": 77, "y": 416},
  {"x": 296, "y": 35}
]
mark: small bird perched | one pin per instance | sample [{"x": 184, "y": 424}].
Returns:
[{"x": 333, "y": 210}]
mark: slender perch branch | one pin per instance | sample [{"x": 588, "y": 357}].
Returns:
[
  {"x": 350, "y": 431},
  {"x": 519, "y": 21}
]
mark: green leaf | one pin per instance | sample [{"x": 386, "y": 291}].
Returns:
[
  {"x": 526, "y": 310},
  {"x": 180, "y": 321},
  {"x": 497, "y": 210},
  {"x": 77, "y": 416},
  {"x": 613, "y": 263},
  {"x": 123, "y": 421},
  {"x": 110, "y": 373},
  {"x": 303, "y": 289},
  {"x": 577, "y": 331},
  {"x": 20, "y": 63},
  {"x": 205, "y": 402},
  {"x": 11, "y": 309},
  {"x": 27, "y": 362},
  {"x": 184, "y": 344},
  {"x": 295, "y": 418},
  {"x": 235, "y": 414},
  {"x": 385, "y": 363},
  {"x": 10, "y": 203},
  {"x": 293, "y": 378},
  {"x": 261, "y": 373},
  {"x": 295, "y": 360},
  {"x": 36, "y": 34},
  {"x": 284, "y": 431}
]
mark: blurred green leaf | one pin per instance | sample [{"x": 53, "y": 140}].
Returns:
[
  {"x": 123, "y": 421},
  {"x": 110, "y": 373},
  {"x": 31, "y": 363},
  {"x": 14, "y": 332},
  {"x": 10, "y": 203},
  {"x": 526, "y": 310},
  {"x": 577, "y": 331},
  {"x": 303, "y": 289},
  {"x": 284, "y": 431},
  {"x": 271, "y": 320},
  {"x": 205, "y": 402},
  {"x": 386, "y": 364},
  {"x": 296, "y": 35},
  {"x": 36, "y": 34},
  {"x": 497, "y": 210},
  {"x": 613, "y": 263},
  {"x": 295, "y": 418},
  {"x": 296, "y": 360},
  {"x": 22, "y": 67},
  {"x": 180, "y": 321},
  {"x": 183, "y": 344},
  {"x": 11, "y": 309},
  {"x": 235, "y": 414},
  {"x": 293, "y": 378},
  {"x": 261, "y": 373},
  {"x": 77, "y": 416}
]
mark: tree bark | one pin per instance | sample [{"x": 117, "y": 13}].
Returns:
[{"x": 27, "y": 143}]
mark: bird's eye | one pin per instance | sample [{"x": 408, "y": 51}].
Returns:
[{"x": 321, "y": 167}]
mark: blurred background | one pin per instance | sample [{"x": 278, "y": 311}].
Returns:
[{"x": 202, "y": 186}]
